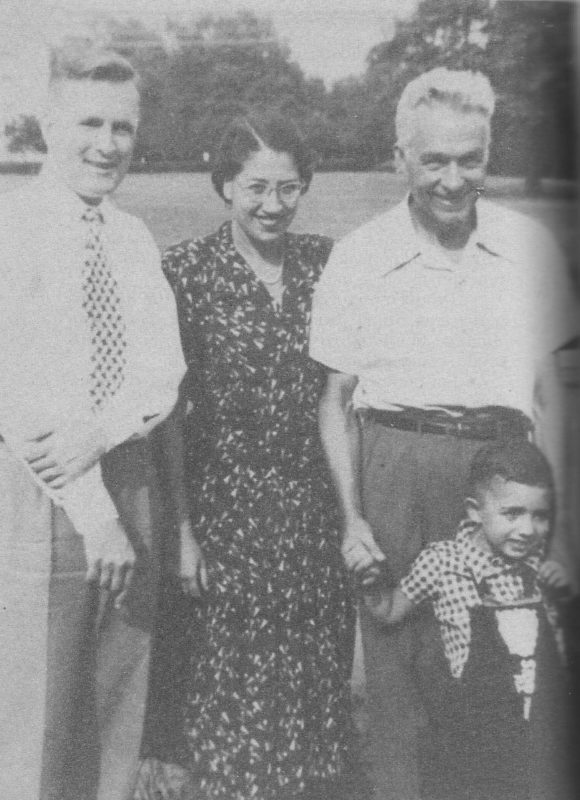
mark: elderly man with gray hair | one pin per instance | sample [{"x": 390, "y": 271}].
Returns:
[{"x": 438, "y": 321}]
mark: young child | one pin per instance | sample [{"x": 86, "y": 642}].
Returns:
[{"x": 499, "y": 731}]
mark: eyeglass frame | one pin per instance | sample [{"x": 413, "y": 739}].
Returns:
[{"x": 268, "y": 189}]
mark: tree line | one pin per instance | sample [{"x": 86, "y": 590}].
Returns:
[{"x": 216, "y": 67}]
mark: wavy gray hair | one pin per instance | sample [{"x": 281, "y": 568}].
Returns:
[{"x": 460, "y": 90}]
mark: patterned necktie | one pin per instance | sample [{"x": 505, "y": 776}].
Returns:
[{"x": 102, "y": 305}]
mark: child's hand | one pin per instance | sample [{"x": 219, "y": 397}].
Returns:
[
  {"x": 378, "y": 602},
  {"x": 387, "y": 606},
  {"x": 554, "y": 576}
]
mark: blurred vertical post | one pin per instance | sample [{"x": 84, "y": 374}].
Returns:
[{"x": 570, "y": 359}]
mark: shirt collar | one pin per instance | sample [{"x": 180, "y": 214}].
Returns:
[
  {"x": 62, "y": 201},
  {"x": 482, "y": 563},
  {"x": 490, "y": 231},
  {"x": 406, "y": 244}
]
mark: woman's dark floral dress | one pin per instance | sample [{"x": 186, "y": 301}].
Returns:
[{"x": 268, "y": 699}]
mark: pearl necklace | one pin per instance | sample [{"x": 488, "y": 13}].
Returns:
[
  {"x": 268, "y": 279},
  {"x": 266, "y": 273}
]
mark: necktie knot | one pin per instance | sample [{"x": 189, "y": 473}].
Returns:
[{"x": 92, "y": 215}]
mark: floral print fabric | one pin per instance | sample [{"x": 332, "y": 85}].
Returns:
[{"x": 268, "y": 697}]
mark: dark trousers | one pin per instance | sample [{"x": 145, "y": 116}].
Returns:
[
  {"x": 74, "y": 671},
  {"x": 413, "y": 491}
]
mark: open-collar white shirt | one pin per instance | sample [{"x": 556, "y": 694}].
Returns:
[{"x": 419, "y": 329}]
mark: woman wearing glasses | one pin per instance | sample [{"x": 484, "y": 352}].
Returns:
[{"x": 268, "y": 700}]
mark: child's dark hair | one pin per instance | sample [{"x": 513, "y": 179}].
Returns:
[
  {"x": 512, "y": 459},
  {"x": 245, "y": 135}
]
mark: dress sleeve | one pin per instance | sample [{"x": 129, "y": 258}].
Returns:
[
  {"x": 422, "y": 580},
  {"x": 187, "y": 267},
  {"x": 172, "y": 263},
  {"x": 183, "y": 266},
  {"x": 318, "y": 251}
]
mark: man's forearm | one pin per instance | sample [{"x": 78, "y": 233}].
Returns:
[
  {"x": 88, "y": 504},
  {"x": 85, "y": 500},
  {"x": 340, "y": 434},
  {"x": 124, "y": 420}
]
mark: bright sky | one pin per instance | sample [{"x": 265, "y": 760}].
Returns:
[{"x": 328, "y": 38}]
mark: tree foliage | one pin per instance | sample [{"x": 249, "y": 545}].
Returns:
[
  {"x": 524, "y": 47},
  {"x": 220, "y": 67},
  {"x": 210, "y": 68},
  {"x": 24, "y": 135},
  {"x": 530, "y": 59},
  {"x": 441, "y": 33}
]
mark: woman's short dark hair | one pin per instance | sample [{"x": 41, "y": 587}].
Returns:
[{"x": 249, "y": 133}]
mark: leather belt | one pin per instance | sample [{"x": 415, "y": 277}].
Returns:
[{"x": 506, "y": 424}]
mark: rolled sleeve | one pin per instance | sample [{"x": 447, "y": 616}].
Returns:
[
  {"x": 333, "y": 326},
  {"x": 123, "y": 422},
  {"x": 154, "y": 386},
  {"x": 156, "y": 365}
]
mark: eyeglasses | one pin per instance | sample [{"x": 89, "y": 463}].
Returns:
[{"x": 287, "y": 193}]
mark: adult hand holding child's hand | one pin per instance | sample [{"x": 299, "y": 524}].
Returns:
[{"x": 359, "y": 549}]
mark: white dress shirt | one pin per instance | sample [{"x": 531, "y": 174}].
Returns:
[
  {"x": 420, "y": 330},
  {"x": 45, "y": 340}
]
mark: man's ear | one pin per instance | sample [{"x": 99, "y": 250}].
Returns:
[
  {"x": 227, "y": 191},
  {"x": 399, "y": 159},
  {"x": 472, "y": 509},
  {"x": 45, "y": 121}
]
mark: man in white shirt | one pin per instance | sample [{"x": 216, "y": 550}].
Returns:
[
  {"x": 438, "y": 320},
  {"x": 90, "y": 363}
]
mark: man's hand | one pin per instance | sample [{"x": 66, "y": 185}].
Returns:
[
  {"x": 192, "y": 570},
  {"x": 359, "y": 549},
  {"x": 59, "y": 456},
  {"x": 111, "y": 560}
]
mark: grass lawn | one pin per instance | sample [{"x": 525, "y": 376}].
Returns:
[{"x": 176, "y": 206}]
